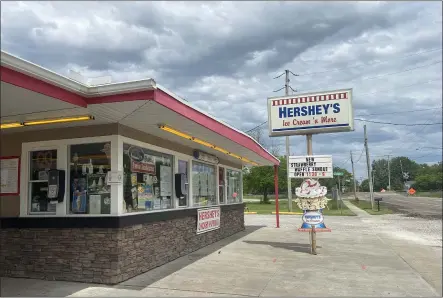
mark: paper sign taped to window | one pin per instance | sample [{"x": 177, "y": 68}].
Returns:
[{"x": 114, "y": 177}]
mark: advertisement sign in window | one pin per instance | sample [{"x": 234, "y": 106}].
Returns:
[{"x": 208, "y": 219}]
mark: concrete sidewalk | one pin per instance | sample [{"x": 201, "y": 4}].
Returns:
[
  {"x": 357, "y": 211},
  {"x": 352, "y": 261}
]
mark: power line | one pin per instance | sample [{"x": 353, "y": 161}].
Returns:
[
  {"x": 401, "y": 124},
  {"x": 382, "y": 75},
  {"x": 361, "y": 154},
  {"x": 386, "y": 90},
  {"x": 410, "y": 111},
  {"x": 401, "y": 87},
  {"x": 369, "y": 64},
  {"x": 417, "y": 134},
  {"x": 377, "y": 122},
  {"x": 256, "y": 127}
]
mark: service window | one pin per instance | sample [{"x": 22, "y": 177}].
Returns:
[
  {"x": 148, "y": 177},
  {"x": 234, "y": 186},
  {"x": 203, "y": 184},
  {"x": 183, "y": 167},
  {"x": 89, "y": 165},
  {"x": 41, "y": 162},
  {"x": 221, "y": 185}
]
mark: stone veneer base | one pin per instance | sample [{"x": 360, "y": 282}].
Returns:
[{"x": 107, "y": 255}]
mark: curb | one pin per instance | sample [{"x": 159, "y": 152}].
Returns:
[{"x": 250, "y": 212}]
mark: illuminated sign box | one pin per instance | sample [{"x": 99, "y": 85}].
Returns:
[
  {"x": 311, "y": 113},
  {"x": 310, "y": 166}
]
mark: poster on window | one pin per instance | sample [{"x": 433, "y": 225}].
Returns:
[
  {"x": 145, "y": 192},
  {"x": 211, "y": 184},
  {"x": 79, "y": 201},
  {"x": 204, "y": 183},
  {"x": 10, "y": 171},
  {"x": 165, "y": 181}
]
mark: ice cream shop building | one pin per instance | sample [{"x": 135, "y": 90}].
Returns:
[{"x": 102, "y": 181}]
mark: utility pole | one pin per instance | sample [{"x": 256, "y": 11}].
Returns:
[
  {"x": 373, "y": 179},
  {"x": 287, "y": 147},
  {"x": 368, "y": 164},
  {"x": 389, "y": 173},
  {"x": 353, "y": 177}
]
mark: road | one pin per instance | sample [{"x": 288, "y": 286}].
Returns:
[{"x": 416, "y": 206}]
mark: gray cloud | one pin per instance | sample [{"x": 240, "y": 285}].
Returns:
[{"x": 222, "y": 56}]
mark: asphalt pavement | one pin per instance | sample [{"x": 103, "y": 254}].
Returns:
[
  {"x": 363, "y": 256},
  {"x": 410, "y": 205}
]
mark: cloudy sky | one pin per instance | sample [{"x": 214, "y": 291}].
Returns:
[{"x": 223, "y": 56}]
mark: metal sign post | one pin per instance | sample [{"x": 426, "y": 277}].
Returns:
[
  {"x": 308, "y": 114},
  {"x": 312, "y": 233}
]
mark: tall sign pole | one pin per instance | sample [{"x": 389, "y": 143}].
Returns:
[
  {"x": 308, "y": 114},
  {"x": 287, "y": 148},
  {"x": 313, "y": 233}
]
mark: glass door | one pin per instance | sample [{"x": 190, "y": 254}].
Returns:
[
  {"x": 183, "y": 169},
  {"x": 221, "y": 185}
]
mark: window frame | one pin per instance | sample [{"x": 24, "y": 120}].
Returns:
[
  {"x": 224, "y": 185},
  {"x": 68, "y": 178},
  {"x": 173, "y": 172},
  {"x": 241, "y": 184},
  {"x": 29, "y": 181},
  {"x": 175, "y": 157},
  {"x": 188, "y": 173},
  {"x": 217, "y": 201},
  {"x": 62, "y": 146}
]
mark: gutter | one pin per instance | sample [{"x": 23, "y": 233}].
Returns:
[
  {"x": 33, "y": 70},
  {"x": 48, "y": 76}
]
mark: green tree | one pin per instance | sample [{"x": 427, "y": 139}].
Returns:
[
  {"x": 381, "y": 176},
  {"x": 260, "y": 180},
  {"x": 429, "y": 178},
  {"x": 364, "y": 186}
]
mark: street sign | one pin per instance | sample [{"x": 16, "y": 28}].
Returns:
[
  {"x": 310, "y": 166},
  {"x": 411, "y": 191},
  {"x": 338, "y": 173}
]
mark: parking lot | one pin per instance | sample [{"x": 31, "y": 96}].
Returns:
[{"x": 362, "y": 256}]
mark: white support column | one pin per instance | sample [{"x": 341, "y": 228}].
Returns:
[
  {"x": 24, "y": 178},
  {"x": 117, "y": 165},
  {"x": 241, "y": 183},
  {"x": 217, "y": 188},
  {"x": 191, "y": 198}
]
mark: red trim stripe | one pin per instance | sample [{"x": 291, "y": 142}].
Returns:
[
  {"x": 25, "y": 81},
  {"x": 21, "y": 80},
  {"x": 306, "y": 99},
  {"x": 171, "y": 103}
]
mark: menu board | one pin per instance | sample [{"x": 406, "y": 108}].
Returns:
[
  {"x": 10, "y": 171},
  {"x": 165, "y": 181}
]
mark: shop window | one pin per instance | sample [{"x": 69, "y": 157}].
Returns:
[
  {"x": 234, "y": 186},
  {"x": 183, "y": 169},
  {"x": 40, "y": 163},
  {"x": 203, "y": 184},
  {"x": 88, "y": 168},
  {"x": 147, "y": 183},
  {"x": 221, "y": 185}
]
